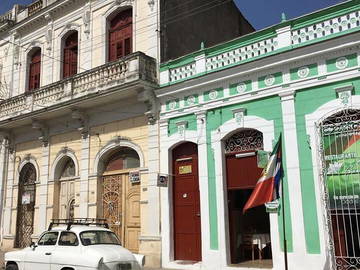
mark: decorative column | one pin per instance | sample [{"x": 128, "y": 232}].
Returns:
[
  {"x": 293, "y": 171},
  {"x": 84, "y": 176},
  {"x": 3, "y": 171},
  {"x": 7, "y": 217},
  {"x": 83, "y": 120},
  {"x": 85, "y": 39}
]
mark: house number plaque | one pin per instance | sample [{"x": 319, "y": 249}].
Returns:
[{"x": 185, "y": 169}]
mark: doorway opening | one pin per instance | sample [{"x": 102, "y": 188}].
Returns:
[{"x": 249, "y": 232}]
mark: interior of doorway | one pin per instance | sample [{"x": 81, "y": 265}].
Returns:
[{"x": 250, "y": 243}]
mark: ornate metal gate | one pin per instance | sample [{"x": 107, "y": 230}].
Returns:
[
  {"x": 26, "y": 206},
  {"x": 112, "y": 203},
  {"x": 340, "y": 158}
]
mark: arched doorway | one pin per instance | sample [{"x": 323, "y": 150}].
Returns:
[
  {"x": 186, "y": 204},
  {"x": 340, "y": 152},
  {"x": 120, "y": 35},
  {"x": 64, "y": 191},
  {"x": 120, "y": 199},
  {"x": 70, "y": 63},
  {"x": 249, "y": 233},
  {"x": 26, "y": 206}
]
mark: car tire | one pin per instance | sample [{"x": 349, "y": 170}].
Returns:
[{"x": 11, "y": 267}]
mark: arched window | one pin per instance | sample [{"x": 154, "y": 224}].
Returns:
[
  {"x": 120, "y": 35},
  {"x": 35, "y": 69},
  {"x": 68, "y": 169},
  {"x": 70, "y": 55},
  {"x": 125, "y": 158}
]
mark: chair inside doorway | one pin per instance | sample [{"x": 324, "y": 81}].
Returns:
[{"x": 249, "y": 232}]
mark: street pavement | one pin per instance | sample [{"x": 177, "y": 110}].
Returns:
[{"x": 2, "y": 263}]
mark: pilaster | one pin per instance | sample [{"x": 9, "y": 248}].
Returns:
[
  {"x": 293, "y": 171},
  {"x": 84, "y": 176}
]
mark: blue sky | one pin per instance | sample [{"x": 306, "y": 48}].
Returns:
[{"x": 260, "y": 13}]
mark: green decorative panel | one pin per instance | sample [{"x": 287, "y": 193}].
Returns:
[
  {"x": 241, "y": 87},
  {"x": 270, "y": 80},
  {"x": 172, "y": 105},
  {"x": 341, "y": 63},
  {"x": 213, "y": 94},
  {"x": 304, "y": 72},
  {"x": 191, "y": 123},
  {"x": 191, "y": 100}
]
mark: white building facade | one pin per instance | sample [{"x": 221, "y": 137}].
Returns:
[{"x": 78, "y": 119}]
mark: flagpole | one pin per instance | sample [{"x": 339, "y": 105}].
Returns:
[{"x": 283, "y": 218}]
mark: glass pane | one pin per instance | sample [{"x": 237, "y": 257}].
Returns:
[
  {"x": 68, "y": 239},
  {"x": 48, "y": 239}
]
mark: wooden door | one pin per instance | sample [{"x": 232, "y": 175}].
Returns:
[
  {"x": 120, "y": 35},
  {"x": 34, "y": 71},
  {"x": 187, "y": 220},
  {"x": 66, "y": 201},
  {"x": 121, "y": 208},
  {"x": 132, "y": 215}
]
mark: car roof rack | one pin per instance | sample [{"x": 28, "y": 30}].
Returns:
[{"x": 78, "y": 221}]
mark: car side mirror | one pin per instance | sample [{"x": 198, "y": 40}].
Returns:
[{"x": 33, "y": 245}]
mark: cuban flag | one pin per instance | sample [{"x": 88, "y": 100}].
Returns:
[{"x": 268, "y": 186}]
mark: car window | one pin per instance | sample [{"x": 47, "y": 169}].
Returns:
[
  {"x": 68, "y": 239},
  {"x": 48, "y": 239},
  {"x": 99, "y": 238}
]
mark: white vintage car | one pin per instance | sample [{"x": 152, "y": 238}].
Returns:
[{"x": 74, "y": 247}]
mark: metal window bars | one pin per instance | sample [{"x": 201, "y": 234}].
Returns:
[
  {"x": 340, "y": 160},
  {"x": 78, "y": 221}
]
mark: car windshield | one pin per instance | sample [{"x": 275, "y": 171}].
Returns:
[{"x": 99, "y": 238}]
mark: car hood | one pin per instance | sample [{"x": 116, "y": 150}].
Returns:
[
  {"x": 17, "y": 255},
  {"x": 110, "y": 253}
]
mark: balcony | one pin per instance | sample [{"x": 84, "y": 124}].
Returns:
[
  {"x": 35, "y": 7},
  {"x": 124, "y": 77}
]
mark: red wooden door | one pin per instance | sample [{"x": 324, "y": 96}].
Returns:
[
  {"x": 187, "y": 220},
  {"x": 243, "y": 172},
  {"x": 35, "y": 70},
  {"x": 120, "y": 35},
  {"x": 70, "y": 55}
]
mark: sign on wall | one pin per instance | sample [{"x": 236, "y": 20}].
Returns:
[
  {"x": 341, "y": 146},
  {"x": 163, "y": 180},
  {"x": 134, "y": 177},
  {"x": 26, "y": 198}
]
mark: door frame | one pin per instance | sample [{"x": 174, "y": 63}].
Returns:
[
  {"x": 167, "y": 143},
  {"x": 173, "y": 202},
  {"x": 267, "y": 127}
]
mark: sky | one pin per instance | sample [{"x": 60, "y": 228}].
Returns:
[{"x": 260, "y": 13}]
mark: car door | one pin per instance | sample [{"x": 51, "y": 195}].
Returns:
[
  {"x": 67, "y": 252},
  {"x": 39, "y": 256}
]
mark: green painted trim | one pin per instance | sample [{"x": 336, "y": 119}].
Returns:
[
  {"x": 313, "y": 71},
  {"x": 325, "y": 14},
  {"x": 306, "y": 43},
  {"x": 331, "y": 63},
  {"x": 278, "y": 80},
  {"x": 191, "y": 123},
  {"x": 170, "y": 101},
  {"x": 186, "y": 100},
  {"x": 220, "y": 94},
  {"x": 233, "y": 87}
]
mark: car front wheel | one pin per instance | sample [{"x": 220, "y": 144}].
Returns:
[{"x": 11, "y": 267}]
